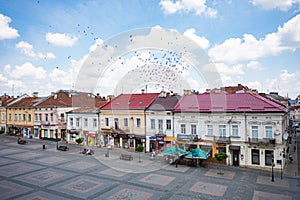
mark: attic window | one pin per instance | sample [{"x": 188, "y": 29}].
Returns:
[
  {"x": 129, "y": 102},
  {"x": 117, "y": 103},
  {"x": 140, "y": 103}
]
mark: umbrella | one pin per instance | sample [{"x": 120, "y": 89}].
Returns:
[
  {"x": 197, "y": 153},
  {"x": 174, "y": 151}
]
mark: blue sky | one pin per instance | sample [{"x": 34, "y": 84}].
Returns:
[{"x": 44, "y": 44}]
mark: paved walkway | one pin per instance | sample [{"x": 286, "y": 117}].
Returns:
[{"x": 29, "y": 172}]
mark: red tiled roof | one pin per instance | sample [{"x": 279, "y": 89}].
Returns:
[
  {"x": 237, "y": 102},
  {"x": 25, "y": 102},
  {"x": 71, "y": 99},
  {"x": 130, "y": 102}
]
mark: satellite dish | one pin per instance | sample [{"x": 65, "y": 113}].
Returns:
[
  {"x": 285, "y": 136},
  {"x": 277, "y": 132}
]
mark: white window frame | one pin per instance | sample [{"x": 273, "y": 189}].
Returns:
[
  {"x": 235, "y": 130},
  {"x": 222, "y": 130}
]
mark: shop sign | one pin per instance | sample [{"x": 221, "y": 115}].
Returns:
[
  {"x": 152, "y": 138},
  {"x": 186, "y": 137},
  {"x": 131, "y": 136},
  {"x": 114, "y": 135},
  {"x": 159, "y": 138},
  {"x": 161, "y": 142}
]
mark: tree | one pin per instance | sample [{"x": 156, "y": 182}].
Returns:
[
  {"x": 220, "y": 157},
  {"x": 79, "y": 140},
  {"x": 139, "y": 149}
]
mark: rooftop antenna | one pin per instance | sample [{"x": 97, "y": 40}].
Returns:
[{"x": 13, "y": 89}]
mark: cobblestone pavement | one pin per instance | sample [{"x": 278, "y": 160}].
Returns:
[{"x": 31, "y": 172}]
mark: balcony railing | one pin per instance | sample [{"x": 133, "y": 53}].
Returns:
[
  {"x": 263, "y": 141},
  {"x": 221, "y": 139}
]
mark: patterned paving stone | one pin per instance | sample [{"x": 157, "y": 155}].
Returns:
[
  {"x": 224, "y": 174},
  {"x": 8, "y": 151},
  {"x": 41, "y": 196},
  {"x": 129, "y": 192},
  {"x": 266, "y": 180},
  {"x": 209, "y": 188},
  {"x": 157, "y": 179},
  {"x": 51, "y": 160},
  {"x": 82, "y": 186},
  {"x": 25, "y": 155},
  {"x": 269, "y": 196},
  {"x": 8, "y": 189},
  {"x": 180, "y": 168},
  {"x": 17, "y": 169},
  {"x": 79, "y": 166},
  {"x": 44, "y": 177},
  {"x": 5, "y": 161}
]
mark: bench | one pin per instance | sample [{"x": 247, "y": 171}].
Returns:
[
  {"x": 126, "y": 157},
  {"x": 63, "y": 148}
]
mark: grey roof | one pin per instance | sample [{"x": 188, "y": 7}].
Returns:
[{"x": 164, "y": 103}]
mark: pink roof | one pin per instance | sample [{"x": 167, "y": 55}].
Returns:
[
  {"x": 130, "y": 102},
  {"x": 237, "y": 102}
]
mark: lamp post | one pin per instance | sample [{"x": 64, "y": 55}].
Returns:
[{"x": 272, "y": 167}]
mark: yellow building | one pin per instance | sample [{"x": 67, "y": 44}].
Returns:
[{"x": 19, "y": 116}]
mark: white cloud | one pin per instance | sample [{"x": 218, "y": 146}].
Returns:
[
  {"x": 201, "y": 41},
  {"x": 98, "y": 42},
  {"x": 198, "y": 7},
  {"x": 27, "y": 70},
  {"x": 27, "y": 49},
  {"x": 283, "y": 5},
  {"x": 59, "y": 39},
  {"x": 234, "y": 50},
  {"x": 7, "y": 32},
  {"x": 255, "y": 65}
]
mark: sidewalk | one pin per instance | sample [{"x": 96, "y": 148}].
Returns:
[{"x": 291, "y": 168}]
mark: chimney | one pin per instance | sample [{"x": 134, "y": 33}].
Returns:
[
  {"x": 35, "y": 94},
  {"x": 187, "y": 92},
  {"x": 143, "y": 91}
]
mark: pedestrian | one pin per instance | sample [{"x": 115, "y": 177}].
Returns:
[{"x": 294, "y": 147}]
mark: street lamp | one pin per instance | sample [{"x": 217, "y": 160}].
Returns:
[{"x": 272, "y": 167}]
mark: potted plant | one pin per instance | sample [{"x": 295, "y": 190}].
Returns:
[
  {"x": 220, "y": 157},
  {"x": 139, "y": 149}
]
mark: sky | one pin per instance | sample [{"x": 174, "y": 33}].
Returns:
[{"x": 112, "y": 47}]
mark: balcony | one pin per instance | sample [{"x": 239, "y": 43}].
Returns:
[
  {"x": 220, "y": 139},
  {"x": 45, "y": 123},
  {"x": 262, "y": 142}
]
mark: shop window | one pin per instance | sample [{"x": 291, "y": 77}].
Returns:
[
  {"x": 268, "y": 157},
  {"x": 222, "y": 149},
  {"x": 255, "y": 156}
]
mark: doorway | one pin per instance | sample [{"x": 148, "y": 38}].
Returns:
[{"x": 235, "y": 158}]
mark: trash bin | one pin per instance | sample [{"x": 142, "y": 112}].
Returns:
[{"x": 44, "y": 146}]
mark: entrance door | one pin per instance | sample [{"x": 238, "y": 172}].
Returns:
[{"x": 235, "y": 158}]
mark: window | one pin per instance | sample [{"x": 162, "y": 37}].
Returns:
[
  {"x": 36, "y": 117},
  {"x": 269, "y": 132},
  {"x": 152, "y": 123},
  {"x": 168, "y": 124},
  {"x": 29, "y": 117},
  {"x": 46, "y": 118},
  {"x": 235, "y": 130},
  {"x": 138, "y": 122},
  {"x": 16, "y": 117},
  {"x": 24, "y": 117},
  {"x": 3, "y": 116},
  {"x": 268, "y": 157},
  {"x": 222, "y": 130},
  {"x": 40, "y": 117},
  {"x": 94, "y": 122},
  {"x": 116, "y": 120},
  {"x": 254, "y": 130},
  {"x": 160, "y": 125},
  {"x": 46, "y": 133},
  {"x": 255, "y": 156},
  {"x": 77, "y": 122},
  {"x": 125, "y": 122},
  {"x": 20, "y": 117},
  {"x": 210, "y": 130},
  {"x": 9, "y": 117},
  {"x": 193, "y": 129},
  {"x": 51, "y": 117},
  {"x": 182, "y": 128},
  {"x": 51, "y": 134},
  {"x": 71, "y": 121},
  {"x": 85, "y": 122},
  {"x": 106, "y": 121}
]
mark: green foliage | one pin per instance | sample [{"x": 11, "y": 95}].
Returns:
[
  {"x": 2, "y": 131},
  {"x": 139, "y": 148},
  {"x": 79, "y": 140},
  {"x": 220, "y": 156}
]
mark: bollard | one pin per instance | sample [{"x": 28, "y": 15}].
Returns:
[{"x": 44, "y": 146}]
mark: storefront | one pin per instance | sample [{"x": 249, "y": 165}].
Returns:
[{"x": 160, "y": 144}]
